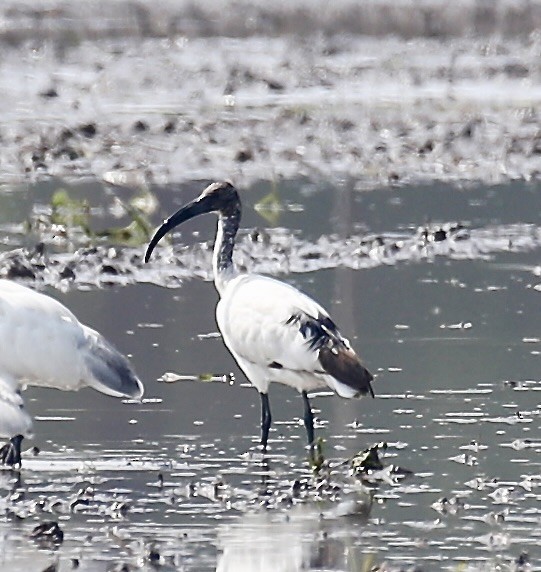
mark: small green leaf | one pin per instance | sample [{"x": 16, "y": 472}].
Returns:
[
  {"x": 70, "y": 212},
  {"x": 270, "y": 207}
]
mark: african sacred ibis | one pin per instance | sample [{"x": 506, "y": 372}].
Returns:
[
  {"x": 275, "y": 332},
  {"x": 43, "y": 344}
]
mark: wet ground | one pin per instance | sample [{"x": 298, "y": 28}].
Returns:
[
  {"x": 387, "y": 156},
  {"x": 438, "y": 290},
  {"x": 397, "y": 93}
]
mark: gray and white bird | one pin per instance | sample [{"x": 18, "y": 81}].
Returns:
[
  {"x": 43, "y": 344},
  {"x": 275, "y": 332}
]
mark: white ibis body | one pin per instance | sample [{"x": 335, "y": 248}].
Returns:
[
  {"x": 275, "y": 332},
  {"x": 43, "y": 344}
]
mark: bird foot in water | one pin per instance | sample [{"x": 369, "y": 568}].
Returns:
[
  {"x": 316, "y": 458},
  {"x": 10, "y": 453}
]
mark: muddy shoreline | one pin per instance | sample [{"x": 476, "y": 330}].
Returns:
[
  {"x": 150, "y": 104},
  {"x": 58, "y": 19},
  {"x": 80, "y": 246}
]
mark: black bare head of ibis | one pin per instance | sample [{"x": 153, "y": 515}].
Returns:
[{"x": 219, "y": 197}]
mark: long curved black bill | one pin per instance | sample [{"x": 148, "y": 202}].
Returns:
[{"x": 187, "y": 212}]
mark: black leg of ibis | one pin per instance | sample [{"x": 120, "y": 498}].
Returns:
[
  {"x": 10, "y": 453},
  {"x": 266, "y": 420},
  {"x": 308, "y": 419}
]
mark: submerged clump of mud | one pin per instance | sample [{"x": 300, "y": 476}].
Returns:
[
  {"x": 271, "y": 251},
  {"x": 203, "y": 510},
  {"x": 81, "y": 492}
]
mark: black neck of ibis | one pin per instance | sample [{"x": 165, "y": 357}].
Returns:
[{"x": 222, "y": 260}]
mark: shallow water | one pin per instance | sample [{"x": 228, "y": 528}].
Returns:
[{"x": 450, "y": 327}]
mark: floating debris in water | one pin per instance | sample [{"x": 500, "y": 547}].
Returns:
[
  {"x": 48, "y": 532},
  {"x": 171, "y": 377},
  {"x": 368, "y": 460},
  {"x": 474, "y": 446},
  {"x": 368, "y": 466},
  {"x": 450, "y": 505},
  {"x": 505, "y": 495},
  {"x": 209, "y": 336},
  {"x": 118, "y": 510},
  {"x": 458, "y": 326},
  {"x": 465, "y": 459},
  {"x": 521, "y": 444}
]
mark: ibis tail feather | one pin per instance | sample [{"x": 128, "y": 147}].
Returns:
[{"x": 345, "y": 366}]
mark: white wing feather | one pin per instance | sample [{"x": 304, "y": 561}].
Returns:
[
  {"x": 42, "y": 343},
  {"x": 254, "y": 316}
]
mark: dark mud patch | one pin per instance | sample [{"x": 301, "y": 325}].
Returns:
[
  {"x": 273, "y": 252},
  {"x": 83, "y": 237}
]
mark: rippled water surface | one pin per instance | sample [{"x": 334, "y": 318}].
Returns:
[{"x": 438, "y": 289}]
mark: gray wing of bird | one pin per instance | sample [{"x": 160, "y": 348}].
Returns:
[{"x": 109, "y": 371}]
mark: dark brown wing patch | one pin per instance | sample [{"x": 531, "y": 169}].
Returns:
[
  {"x": 316, "y": 331},
  {"x": 335, "y": 355},
  {"x": 344, "y": 365}
]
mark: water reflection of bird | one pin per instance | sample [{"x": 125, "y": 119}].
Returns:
[
  {"x": 43, "y": 344},
  {"x": 275, "y": 332},
  {"x": 309, "y": 536}
]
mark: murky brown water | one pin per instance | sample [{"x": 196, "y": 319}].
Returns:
[{"x": 451, "y": 327}]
